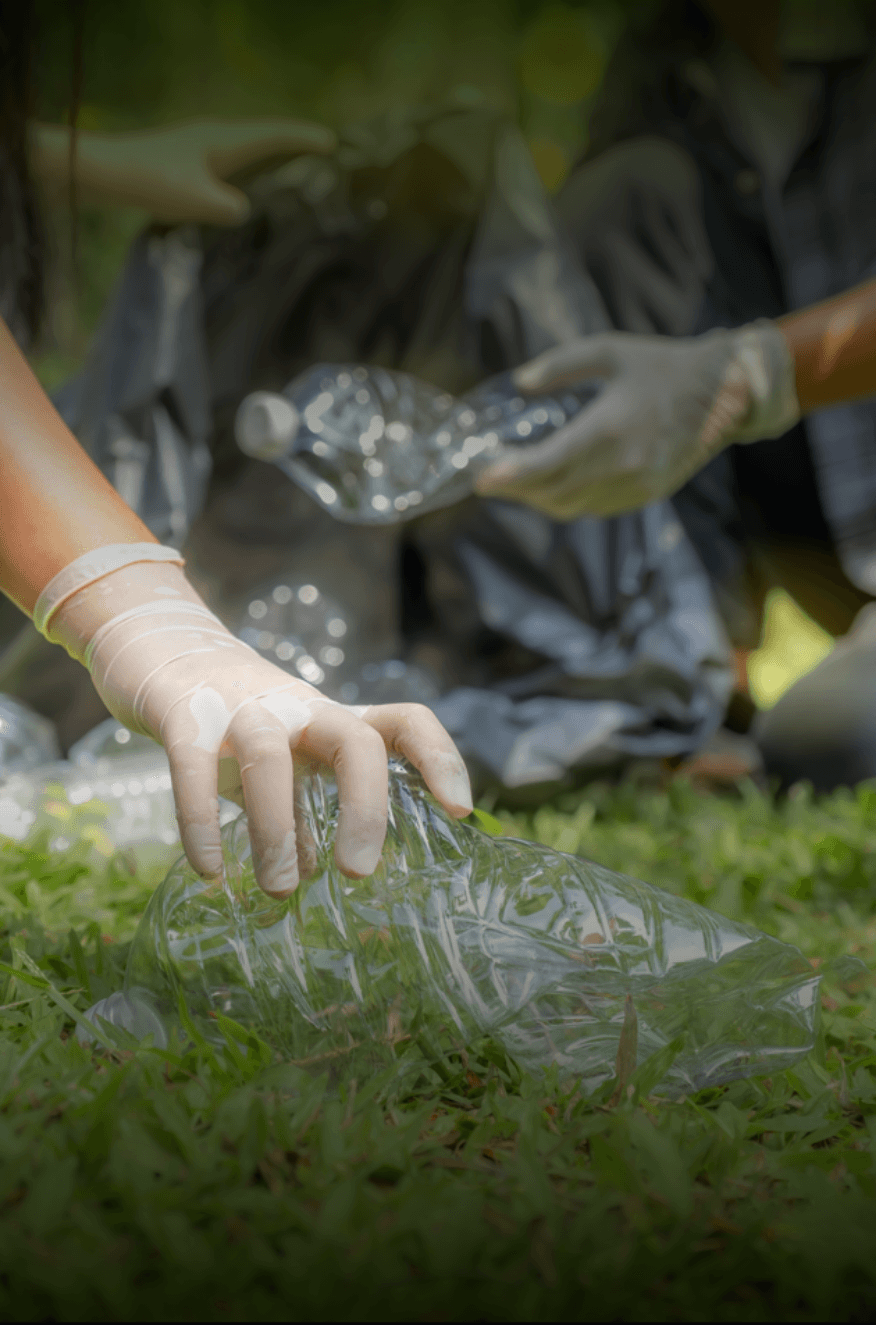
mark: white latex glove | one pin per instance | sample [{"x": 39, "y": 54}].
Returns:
[
  {"x": 635, "y": 216},
  {"x": 667, "y": 407},
  {"x": 230, "y": 721}
]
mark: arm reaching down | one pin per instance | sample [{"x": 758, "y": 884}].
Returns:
[
  {"x": 77, "y": 559},
  {"x": 177, "y": 173}
]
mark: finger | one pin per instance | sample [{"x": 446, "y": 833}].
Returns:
[
  {"x": 594, "y": 426},
  {"x": 547, "y": 494},
  {"x": 202, "y": 200},
  {"x": 592, "y": 356},
  {"x": 569, "y": 496},
  {"x": 413, "y": 731},
  {"x": 358, "y": 756},
  {"x": 308, "y": 854},
  {"x": 730, "y": 407},
  {"x": 194, "y": 777},
  {"x": 262, "y": 748},
  {"x": 244, "y": 143}
]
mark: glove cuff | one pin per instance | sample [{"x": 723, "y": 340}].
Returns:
[
  {"x": 764, "y": 357},
  {"x": 93, "y": 566}
]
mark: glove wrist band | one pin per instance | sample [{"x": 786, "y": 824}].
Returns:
[
  {"x": 93, "y": 566},
  {"x": 764, "y": 356}
]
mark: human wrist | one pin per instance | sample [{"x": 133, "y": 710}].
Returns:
[
  {"x": 105, "y": 584},
  {"x": 763, "y": 357}
]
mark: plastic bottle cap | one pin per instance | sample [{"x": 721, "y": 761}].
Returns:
[{"x": 266, "y": 425}]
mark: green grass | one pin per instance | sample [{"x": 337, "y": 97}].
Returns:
[{"x": 146, "y": 1185}]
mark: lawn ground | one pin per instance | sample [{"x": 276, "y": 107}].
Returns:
[{"x": 150, "y": 1185}]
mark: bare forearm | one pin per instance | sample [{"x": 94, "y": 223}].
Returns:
[
  {"x": 104, "y": 177},
  {"x": 55, "y": 504},
  {"x": 834, "y": 348}
]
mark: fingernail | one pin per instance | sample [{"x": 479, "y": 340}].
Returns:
[
  {"x": 526, "y": 378},
  {"x": 495, "y": 477},
  {"x": 459, "y": 793},
  {"x": 280, "y": 883},
  {"x": 362, "y": 860},
  {"x": 277, "y": 866}
]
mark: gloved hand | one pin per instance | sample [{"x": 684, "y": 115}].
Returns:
[
  {"x": 177, "y": 173},
  {"x": 634, "y": 214},
  {"x": 668, "y": 407},
  {"x": 230, "y": 721}
]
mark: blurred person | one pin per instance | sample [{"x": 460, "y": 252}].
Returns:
[
  {"x": 94, "y": 579},
  {"x": 756, "y": 197},
  {"x": 424, "y": 243}
]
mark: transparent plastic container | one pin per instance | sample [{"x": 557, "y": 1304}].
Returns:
[
  {"x": 26, "y": 739},
  {"x": 112, "y": 794},
  {"x": 373, "y": 446},
  {"x": 297, "y": 627},
  {"x": 116, "y": 804},
  {"x": 110, "y": 740},
  {"x": 490, "y": 937},
  {"x": 305, "y": 632}
]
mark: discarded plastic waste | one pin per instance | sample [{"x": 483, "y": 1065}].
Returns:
[
  {"x": 390, "y": 682},
  {"x": 110, "y": 740},
  {"x": 299, "y": 628},
  {"x": 115, "y": 803},
  {"x": 377, "y": 447},
  {"x": 111, "y": 802},
  {"x": 494, "y": 937},
  {"x": 130, "y": 1013},
  {"x": 26, "y": 739}
]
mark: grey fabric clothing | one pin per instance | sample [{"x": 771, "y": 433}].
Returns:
[{"x": 779, "y": 247}]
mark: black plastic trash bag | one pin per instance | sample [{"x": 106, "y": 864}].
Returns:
[
  {"x": 141, "y": 405},
  {"x": 548, "y": 954}
]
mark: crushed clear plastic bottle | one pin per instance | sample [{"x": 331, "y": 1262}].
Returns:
[
  {"x": 374, "y": 446},
  {"x": 495, "y": 937}
]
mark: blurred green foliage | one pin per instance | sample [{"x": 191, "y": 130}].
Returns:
[{"x": 147, "y": 64}]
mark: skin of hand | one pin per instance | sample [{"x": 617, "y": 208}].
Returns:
[
  {"x": 668, "y": 405},
  {"x": 649, "y": 186},
  {"x": 171, "y": 668},
  {"x": 834, "y": 348},
  {"x": 177, "y": 173},
  {"x": 230, "y": 721}
]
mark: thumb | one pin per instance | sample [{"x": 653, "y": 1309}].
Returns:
[
  {"x": 238, "y": 146},
  {"x": 592, "y": 356},
  {"x": 515, "y": 466},
  {"x": 213, "y": 203}
]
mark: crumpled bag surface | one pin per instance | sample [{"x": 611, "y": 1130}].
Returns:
[
  {"x": 490, "y": 936},
  {"x": 140, "y": 405}
]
